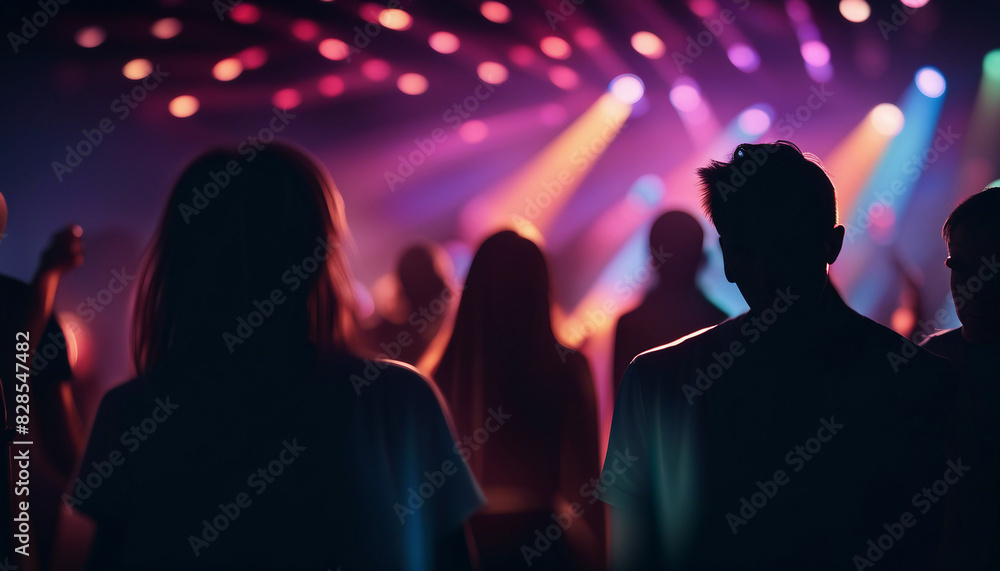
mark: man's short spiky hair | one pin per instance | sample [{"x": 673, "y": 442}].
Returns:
[
  {"x": 769, "y": 190},
  {"x": 976, "y": 215}
]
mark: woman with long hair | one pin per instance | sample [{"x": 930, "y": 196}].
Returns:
[
  {"x": 526, "y": 414},
  {"x": 252, "y": 438}
]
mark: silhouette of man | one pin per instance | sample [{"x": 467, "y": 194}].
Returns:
[
  {"x": 787, "y": 437},
  {"x": 973, "y": 239},
  {"x": 674, "y": 306}
]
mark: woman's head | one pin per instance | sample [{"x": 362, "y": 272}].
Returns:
[
  {"x": 507, "y": 288},
  {"x": 248, "y": 256}
]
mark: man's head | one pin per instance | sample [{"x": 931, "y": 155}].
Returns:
[
  {"x": 973, "y": 239},
  {"x": 679, "y": 235},
  {"x": 776, "y": 213}
]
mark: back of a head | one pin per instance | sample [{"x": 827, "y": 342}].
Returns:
[
  {"x": 976, "y": 219},
  {"x": 678, "y": 235},
  {"x": 421, "y": 276},
  {"x": 774, "y": 208},
  {"x": 972, "y": 235},
  {"x": 248, "y": 252}
]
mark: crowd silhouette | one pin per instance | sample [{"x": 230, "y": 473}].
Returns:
[{"x": 265, "y": 428}]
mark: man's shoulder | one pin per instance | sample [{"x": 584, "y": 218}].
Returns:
[
  {"x": 942, "y": 340},
  {"x": 682, "y": 352}
]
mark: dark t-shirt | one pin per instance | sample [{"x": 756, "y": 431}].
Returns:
[
  {"x": 750, "y": 448},
  {"x": 355, "y": 468}
]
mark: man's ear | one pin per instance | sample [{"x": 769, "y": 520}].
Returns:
[
  {"x": 725, "y": 261},
  {"x": 834, "y": 243}
]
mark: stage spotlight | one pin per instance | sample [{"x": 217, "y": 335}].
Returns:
[
  {"x": 495, "y": 12},
  {"x": 744, "y": 57},
  {"x": 395, "y": 19},
  {"x": 166, "y": 28},
  {"x": 245, "y": 13},
  {"x": 555, "y": 48},
  {"x": 305, "y": 30},
  {"x": 227, "y": 69},
  {"x": 444, "y": 42},
  {"x": 756, "y": 120},
  {"x": 184, "y": 106},
  {"x": 334, "y": 49},
  {"x": 684, "y": 95},
  {"x": 648, "y": 44},
  {"x": 887, "y": 119},
  {"x": 930, "y": 82},
  {"x": 287, "y": 98},
  {"x": 991, "y": 65},
  {"x": 627, "y": 88},
  {"x": 492, "y": 72},
  {"x": 412, "y": 83},
  {"x": 376, "y": 69},
  {"x": 90, "y": 37},
  {"x": 252, "y": 57},
  {"x": 855, "y": 10},
  {"x": 914, "y": 3},
  {"x": 137, "y": 69},
  {"x": 331, "y": 86},
  {"x": 564, "y": 77}
]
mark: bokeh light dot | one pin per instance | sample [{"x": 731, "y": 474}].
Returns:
[
  {"x": 395, "y": 19},
  {"x": 287, "y": 98},
  {"x": 521, "y": 55},
  {"x": 331, "y": 85},
  {"x": 252, "y": 57},
  {"x": 815, "y": 53},
  {"x": 627, "y": 88},
  {"x": 305, "y": 30},
  {"x": 137, "y": 69},
  {"x": 744, "y": 57},
  {"x": 887, "y": 119},
  {"x": 245, "y": 14},
  {"x": 334, "y": 49},
  {"x": 166, "y": 28},
  {"x": 855, "y": 10},
  {"x": 930, "y": 82},
  {"x": 90, "y": 37},
  {"x": 914, "y": 3},
  {"x": 685, "y": 97},
  {"x": 227, "y": 69},
  {"x": 492, "y": 72},
  {"x": 555, "y": 48},
  {"x": 495, "y": 12},
  {"x": 587, "y": 37},
  {"x": 473, "y": 132},
  {"x": 648, "y": 44},
  {"x": 564, "y": 77},
  {"x": 412, "y": 83},
  {"x": 184, "y": 106},
  {"x": 444, "y": 42},
  {"x": 754, "y": 121},
  {"x": 376, "y": 69}
]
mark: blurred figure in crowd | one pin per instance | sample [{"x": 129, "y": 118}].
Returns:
[{"x": 526, "y": 412}]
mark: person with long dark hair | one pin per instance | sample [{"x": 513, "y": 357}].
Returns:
[
  {"x": 525, "y": 408},
  {"x": 252, "y": 437}
]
